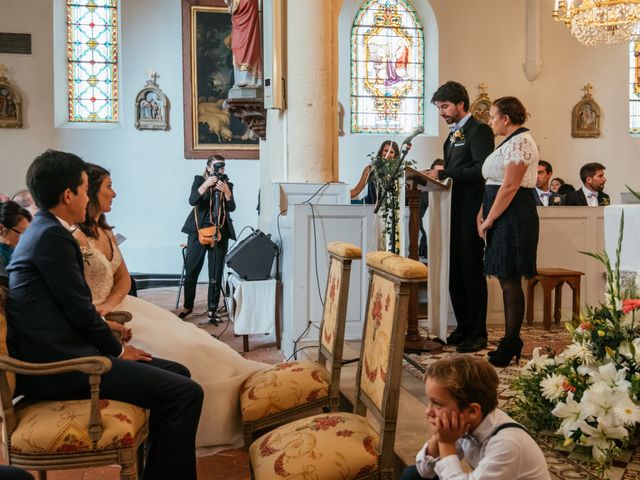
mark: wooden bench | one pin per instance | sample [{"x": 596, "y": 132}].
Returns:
[{"x": 550, "y": 279}]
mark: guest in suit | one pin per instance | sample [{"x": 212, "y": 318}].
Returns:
[
  {"x": 591, "y": 194},
  {"x": 51, "y": 318},
  {"x": 14, "y": 220},
  {"x": 508, "y": 221},
  {"x": 465, "y": 149},
  {"x": 212, "y": 200},
  {"x": 388, "y": 149},
  {"x": 542, "y": 194}
]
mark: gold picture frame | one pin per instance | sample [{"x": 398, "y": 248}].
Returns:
[
  {"x": 585, "y": 117},
  {"x": 481, "y": 106},
  {"x": 209, "y": 128}
]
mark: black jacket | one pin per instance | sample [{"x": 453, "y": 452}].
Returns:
[
  {"x": 555, "y": 199},
  {"x": 202, "y": 203},
  {"x": 463, "y": 159},
  {"x": 50, "y": 314},
  {"x": 577, "y": 199}
]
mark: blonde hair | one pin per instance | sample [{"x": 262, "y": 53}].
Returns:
[{"x": 468, "y": 379}]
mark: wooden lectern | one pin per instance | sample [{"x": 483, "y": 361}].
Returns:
[{"x": 439, "y": 215}]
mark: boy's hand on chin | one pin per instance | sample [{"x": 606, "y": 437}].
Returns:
[{"x": 451, "y": 425}]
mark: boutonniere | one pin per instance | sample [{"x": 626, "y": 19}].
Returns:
[
  {"x": 457, "y": 136},
  {"x": 605, "y": 201},
  {"x": 86, "y": 254},
  {"x": 556, "y": 200}
]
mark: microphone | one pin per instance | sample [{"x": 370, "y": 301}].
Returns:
[{"x": 414, "y": 134}]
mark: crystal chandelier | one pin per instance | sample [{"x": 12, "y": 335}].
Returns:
[{"x": 600, "y": 22}]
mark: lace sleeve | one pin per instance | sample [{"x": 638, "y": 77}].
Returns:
[{"x": 519, "y": 149}]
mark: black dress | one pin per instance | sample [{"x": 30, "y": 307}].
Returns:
[{"x": 512, "y": 241}]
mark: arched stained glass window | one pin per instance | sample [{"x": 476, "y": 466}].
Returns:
[
  {"x": 92, "y": 60},
  {"x": 634, "y": 88},
  {"x": 387, "y": 68}
]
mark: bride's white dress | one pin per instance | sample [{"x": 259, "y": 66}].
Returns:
[{"x": 218, "y": 368}]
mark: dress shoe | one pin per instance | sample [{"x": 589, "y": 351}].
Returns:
[
  {"x": 472, "y": 345},
  {"x": 508, "y": 349},
  {"x": 185, "y": 313},
  {"x": 213, "y": 320},
  {"x": 455, "y": 337},
  {"x": 494, "y": 352}
]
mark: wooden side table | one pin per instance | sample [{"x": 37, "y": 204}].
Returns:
[{"x": 553, "y": 279}]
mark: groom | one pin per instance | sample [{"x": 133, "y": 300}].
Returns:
[{"x": 51, "y": 318}]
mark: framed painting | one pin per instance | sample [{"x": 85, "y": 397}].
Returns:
[
  {"x": 209, "y": 128},
  {"x": 585, "y": 117}
]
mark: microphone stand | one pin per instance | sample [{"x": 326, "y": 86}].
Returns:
[{"x": 386, "y": 188}]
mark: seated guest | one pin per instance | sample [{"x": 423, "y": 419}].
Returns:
[
  {"x": 591, "y": 194},
  {"x": 555, "y": 184},
  {"x": 14, "y": 220},
  {"x": 25, "y": 200},
  {"x": 438, "y": 164},
  {"x": 542, "y": 194},
  {"x": 51, "y": 318},
  {"x": 462, "y": 396},
  {"x": 157, "y": 330}
]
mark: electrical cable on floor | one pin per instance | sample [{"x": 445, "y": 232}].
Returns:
[{"x": 298, "y": 350}]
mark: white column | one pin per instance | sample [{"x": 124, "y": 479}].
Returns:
[
  {"x": 312, "y": 102},
  {"x": 532, "y": 66}
]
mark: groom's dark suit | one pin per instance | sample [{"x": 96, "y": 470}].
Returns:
[
  {"x": 464, "y": 157},
  {"x": 51, "y": 318},
  {"x": 577, "y": 199}
]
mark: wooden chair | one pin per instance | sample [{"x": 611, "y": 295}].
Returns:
[
  {"x": 60, "y": 435},
  {"x": 289, "y": 390},
  {"x": 346, "y": 445}
]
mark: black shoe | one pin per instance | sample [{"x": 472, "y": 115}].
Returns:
[
  {"x": 493, "y": 352},
  {"x": 474, "y": 345},
  {"x": 185, "y": 313},
  {"x": 213, "y": 320},
  {"x": 509, "y": 349},
  {"x": 455, "y": 337}
]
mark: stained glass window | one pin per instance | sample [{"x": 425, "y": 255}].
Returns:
[
  {"x": 387, "y": 68},
  {"x": 634, "y": 88},
  {"x": 92, "y": 60}
]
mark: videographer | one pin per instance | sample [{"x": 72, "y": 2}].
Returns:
[{"x": 212, "y": 201}]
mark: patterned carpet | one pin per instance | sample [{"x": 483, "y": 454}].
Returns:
[{"x": 563, "y": 463}]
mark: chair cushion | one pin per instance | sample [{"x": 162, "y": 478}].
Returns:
[
  {"x": 322, "y": 447},
  {"x": 282, "y": 387},
  {"x": 61, "y": 426},
  {"x": 344, "y": 249},
  {"x": 396, "y": 265}
]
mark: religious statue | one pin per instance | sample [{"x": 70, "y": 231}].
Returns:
[{"x": 246, "y": 42}]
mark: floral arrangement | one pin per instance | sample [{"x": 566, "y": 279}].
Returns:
[
  {"x": 590, "y": 392},
  {"x": 386, "y": 172}
]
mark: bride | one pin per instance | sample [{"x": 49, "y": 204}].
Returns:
[{"x": 218, "y": 368}]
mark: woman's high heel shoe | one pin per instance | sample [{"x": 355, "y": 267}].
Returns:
[
  {"x": 493, "y": 352},
  {"x": 509, "y": 349}
]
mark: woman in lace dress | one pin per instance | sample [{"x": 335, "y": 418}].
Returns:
[
  {"x": 219, "y": 369},
  {"x": 508, "y": 219}
]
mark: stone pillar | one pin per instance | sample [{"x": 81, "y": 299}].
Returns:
[{"x": 312, "y": 103}]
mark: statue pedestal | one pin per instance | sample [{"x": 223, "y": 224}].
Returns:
[{"x": 247, "y": 103}]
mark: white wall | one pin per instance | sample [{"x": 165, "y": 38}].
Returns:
[
  {"x": 148, "y": 168},
  {"x": 484, "y": 41}
]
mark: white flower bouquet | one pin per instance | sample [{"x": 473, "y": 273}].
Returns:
[{"x": 590, "y": 392}]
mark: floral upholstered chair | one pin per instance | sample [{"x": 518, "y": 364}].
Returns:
[
  {"x": 347, "y": 446},
  {"x": 286, "y": 391},
  {"x": 59, "y": 435}
]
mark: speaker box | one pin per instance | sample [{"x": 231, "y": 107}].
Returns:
[{"x": 252, "y": 258}]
